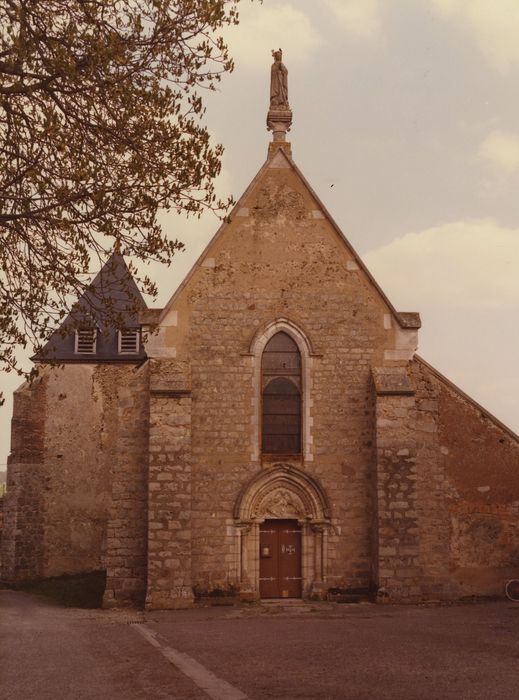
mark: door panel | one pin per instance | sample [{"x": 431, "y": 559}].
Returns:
[
  {"x": 269, "y": 565},
  {"x": 280, "y": 559},
  {"x": 290, "y": 559}
]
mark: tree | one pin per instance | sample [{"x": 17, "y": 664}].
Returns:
[{"x": 100, "y": 128}]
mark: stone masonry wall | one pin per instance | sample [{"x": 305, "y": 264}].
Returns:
[
  {"x": 64, "y": 434},
  {"x": 127, "y": 530},
  {"x": 22, "y": 540},
  {"x": 398, "y": 570},
  {"x": 80, "y": 437},
  {"x": 279, "y": 258},
  {"x": 469, "y": 493},
  {"x": 243, "y": 293},
  {"x": 434, "y": 492},
  {"x": 170, "y": 487},
  {"x": 448, "y": 493}
]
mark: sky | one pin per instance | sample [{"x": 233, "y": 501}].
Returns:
[{"x": 406, "y": 124}]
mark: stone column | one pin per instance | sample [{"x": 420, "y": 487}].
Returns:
[
  {"x": 169, "y": 499},
  {"x": 244, "y": 532},
  {"x": 318, "y": 531},
  {"x": 397, "y": 569}
]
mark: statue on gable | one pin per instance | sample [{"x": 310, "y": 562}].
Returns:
[
  {"x": 278, "y": 82},
  {"x": 279, "y": 117}
]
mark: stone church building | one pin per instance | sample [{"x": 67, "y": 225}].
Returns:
[{"x": 271, "y": 432}]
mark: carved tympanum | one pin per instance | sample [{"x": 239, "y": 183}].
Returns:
[
  {"x": 283, "y": 490},
  {"x": 281, "y": 503}
]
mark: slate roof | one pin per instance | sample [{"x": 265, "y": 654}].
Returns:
[{"x": 111, "y": 301}]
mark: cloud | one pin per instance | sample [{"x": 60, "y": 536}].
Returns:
[
  {"x": 493, "y": 23},
  {"x": 501, "y": 149},
  {"x": 268, "y": 26},
  {"x": 463, "y": 279},
  {"x": 470, "y": 265},
  {"x": 360, "y": 17}
]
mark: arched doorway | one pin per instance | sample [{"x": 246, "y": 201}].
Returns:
[{"x": 283, "y": 517}]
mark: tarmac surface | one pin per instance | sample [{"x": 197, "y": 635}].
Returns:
[{"x": 288, "y": 651}]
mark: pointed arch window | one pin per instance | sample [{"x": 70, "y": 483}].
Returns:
[{"x": 281, "y": 393}]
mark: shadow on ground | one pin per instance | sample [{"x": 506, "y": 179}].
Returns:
[{"x": 81, "y": 591}]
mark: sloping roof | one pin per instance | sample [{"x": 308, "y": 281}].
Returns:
[
  {"x": 110, "y": 302},
  {"x": 453, "y": 387},
  {"x": 404, "y": 319}
]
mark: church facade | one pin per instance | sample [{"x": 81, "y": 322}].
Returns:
[{"x": 270, "y": 433}]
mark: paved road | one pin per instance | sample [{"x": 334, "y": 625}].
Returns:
[
  {"x": 362, "y": 652},
  {"x": 50, "y": 653}
]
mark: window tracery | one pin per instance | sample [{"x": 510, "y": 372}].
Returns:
[{"x": 281, "y": 396}]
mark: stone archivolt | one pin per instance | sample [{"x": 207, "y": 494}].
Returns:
[
  {"x": 283, "y": 491},
  {"x": 262, "y": 336}
]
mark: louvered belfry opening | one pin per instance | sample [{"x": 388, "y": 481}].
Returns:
[
  {"x": 129, "y": 341},
  {"x": 85, "y": 343},
  {"x": 281, "y": 390}
]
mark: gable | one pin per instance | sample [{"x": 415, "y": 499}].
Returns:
[
  {"x": 280, "y": 190},
  {"x": 90, "y": 332},
  {"x": 280, "y": 240}
]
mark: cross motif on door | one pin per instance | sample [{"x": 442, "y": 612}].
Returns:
[{"x": 288, "y": 549}]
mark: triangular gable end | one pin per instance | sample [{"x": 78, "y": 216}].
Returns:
[
  {"x": 279, "y": 158},
  {"x": 113, "y": 294}
]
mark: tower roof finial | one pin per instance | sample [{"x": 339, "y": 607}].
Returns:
[{"x": 279, "y": 117}]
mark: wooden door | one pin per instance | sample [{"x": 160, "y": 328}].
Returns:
[{"x": 280, "y": 559}]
